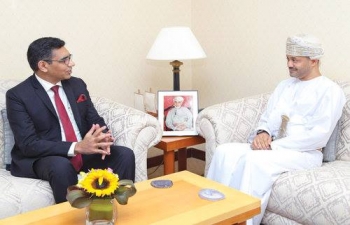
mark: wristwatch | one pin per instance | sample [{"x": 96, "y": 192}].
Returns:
[{"x": 261, "y": 131}]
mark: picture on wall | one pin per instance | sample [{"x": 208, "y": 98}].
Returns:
[{"x": 177, "y": 112}]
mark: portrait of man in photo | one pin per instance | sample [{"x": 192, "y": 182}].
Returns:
[{"x": 179, "y": 116}]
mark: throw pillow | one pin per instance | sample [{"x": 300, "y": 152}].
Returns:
[
  {"x": 9, "y": 140},
  {"x": 329, "y": 152}
]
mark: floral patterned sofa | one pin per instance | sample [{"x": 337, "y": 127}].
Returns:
[
  {"x": 318, "y": 196},
  {"x": 132, "y": 128}
]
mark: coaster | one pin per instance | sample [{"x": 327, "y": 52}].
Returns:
[
  {"x": 162, "y": 183},
  {"x": 211, "y": 194}
]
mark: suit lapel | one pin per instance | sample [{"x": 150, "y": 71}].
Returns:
[
  {"x": 41, "y": 93},
  {"x": 68, "y": 89}
]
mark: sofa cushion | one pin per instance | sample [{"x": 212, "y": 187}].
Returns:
[
  {"x": 330, "y": 150},
  {"x": 9, "y": 140},
  {"x": 343, "y": 145},
  {"x": 316, "y": 196},
  {"x": 19, "y": 195}
]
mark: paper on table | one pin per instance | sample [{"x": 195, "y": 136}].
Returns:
[
  {"x": 138, "y": 101},
  {"x": 150, "y": 102}
]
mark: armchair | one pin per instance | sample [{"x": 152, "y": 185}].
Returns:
[
  {"x": 315, "y": 196},
  {"x": 132, "y": 128}
]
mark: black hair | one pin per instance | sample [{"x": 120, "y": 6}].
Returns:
[{"x": 41, "y": 49}]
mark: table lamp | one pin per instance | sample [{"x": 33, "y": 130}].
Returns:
[{"x": 176, "y": 43}]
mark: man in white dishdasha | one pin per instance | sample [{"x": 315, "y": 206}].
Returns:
[{"x": 300, "y": 117}]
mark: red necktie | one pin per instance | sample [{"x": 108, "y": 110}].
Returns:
[{"x": 77, "y": 160}]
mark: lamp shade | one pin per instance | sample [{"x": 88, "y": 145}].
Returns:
[{"x": 176, "y": 43}]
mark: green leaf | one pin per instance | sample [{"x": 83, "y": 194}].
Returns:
[
  {"x": 125, "y": 182},
  {"x": 125, "y": 191},
  {"x": 78, "y": 198},
  {"x": 122, "y": 198}
]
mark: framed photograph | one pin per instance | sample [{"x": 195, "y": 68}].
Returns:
[{"x": 177, "y": 112}]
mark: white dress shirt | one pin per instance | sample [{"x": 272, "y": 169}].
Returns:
[{"x": 47, "y": 86}]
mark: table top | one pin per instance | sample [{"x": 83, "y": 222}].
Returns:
[
  {"x": 175, "y": 142},
  {"x": 179, "y": 204}
]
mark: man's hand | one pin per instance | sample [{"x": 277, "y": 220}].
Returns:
[
  {"x": 108, "y": 148},
  {"x": 95, "y": 142},
  {"x": 180, "y": 126},
  {"x": 262, "y": 141}
]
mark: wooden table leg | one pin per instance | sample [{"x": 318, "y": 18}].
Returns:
[
  {"x": 169, "y": 162},
  {"x": 182, "y": 159}
]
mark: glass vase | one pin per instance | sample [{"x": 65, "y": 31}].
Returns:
[{"x": 101, "y": 212}]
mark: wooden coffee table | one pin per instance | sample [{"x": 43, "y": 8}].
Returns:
[
  {"x": 171, "y": 144},
  {"x": 179, "y": 204}
]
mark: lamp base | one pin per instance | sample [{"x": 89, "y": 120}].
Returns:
[{"x": 176, "y": 73}]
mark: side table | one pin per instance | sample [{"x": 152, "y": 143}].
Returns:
[{"x": 170, "y": 144}]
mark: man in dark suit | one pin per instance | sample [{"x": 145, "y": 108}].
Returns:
[{"x": 44, "y": 146}]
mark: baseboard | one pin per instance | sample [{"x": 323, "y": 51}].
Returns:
[
  {"x": 154, "y": 161},
  {"x": 191, "y": 153},
  {"x": 195, "y": 153}
]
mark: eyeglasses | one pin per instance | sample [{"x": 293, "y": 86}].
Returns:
[{"x": 66, "y": 60}]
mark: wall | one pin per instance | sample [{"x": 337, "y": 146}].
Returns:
[
  {"x": 109, "y": 41},
  {"x": 245, "y": 43}
]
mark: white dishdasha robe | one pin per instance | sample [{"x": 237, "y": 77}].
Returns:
[
  {"x": 313, "y": 108},
  {"x": 181, "y": 115}
]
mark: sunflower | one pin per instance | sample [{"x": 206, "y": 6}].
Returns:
[{"x": 99, "y": 182}]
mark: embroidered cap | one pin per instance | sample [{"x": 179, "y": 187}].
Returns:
[{"x": 304, "y": 45}]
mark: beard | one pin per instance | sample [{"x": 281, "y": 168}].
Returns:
[
  {"x": 300, "y": 73},
  {"x": 293, "y": 72}
]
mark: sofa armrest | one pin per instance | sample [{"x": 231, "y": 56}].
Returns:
[
  {"x": 131, "y": 128},
  {"x": 231, "y": 121}
]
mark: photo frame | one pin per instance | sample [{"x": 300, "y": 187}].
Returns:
[{"x": 177, "y": 112}]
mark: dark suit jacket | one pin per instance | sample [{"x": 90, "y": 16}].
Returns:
[{"x": 35, "y": 124}]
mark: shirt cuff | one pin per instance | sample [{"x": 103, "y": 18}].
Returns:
[
  {"x": 71, "y": 149},
  {"x": 264, "y": 129}
]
